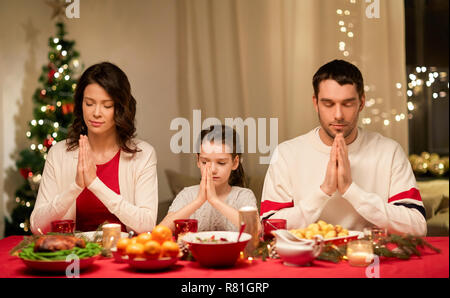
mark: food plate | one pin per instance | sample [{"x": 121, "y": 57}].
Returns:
[
  {"x": 152, "y": 265},
  {"x": 58, "y": 266},
  {"x": 352, "y": 235},
  {"x": 96, "y": 236}
]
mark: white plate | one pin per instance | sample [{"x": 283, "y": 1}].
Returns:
[
  {"x": 96, "y": 236},
  {"x": 352, "y": 235}
]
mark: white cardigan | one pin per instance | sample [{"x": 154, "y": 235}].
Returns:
[{"x": 136, "y": 206}]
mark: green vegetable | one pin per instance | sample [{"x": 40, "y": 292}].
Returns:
[{"x": 90, "y": 250}]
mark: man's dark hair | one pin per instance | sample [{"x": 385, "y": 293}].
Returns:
[{"x": 340, "y": 71}]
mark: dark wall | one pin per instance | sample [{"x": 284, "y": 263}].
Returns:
[{"x": 426, "y": 32}]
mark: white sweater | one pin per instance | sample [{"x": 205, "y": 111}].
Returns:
[
  {"x": 383, "y": 183},
  {"x": 136, "y": 206}
]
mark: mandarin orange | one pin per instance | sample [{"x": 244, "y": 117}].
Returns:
[
  {"x": 144, "y": 237},
  {"x": 135, "y": 250},
  {"x": 152, "y": 249},
  {"x": 169, "y": 249},
  {"x": 161, "y": 234}
]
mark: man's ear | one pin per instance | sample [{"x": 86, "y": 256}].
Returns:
[
  {"x": 315, "y": 103},
  {"x": 363, "y": 102}
]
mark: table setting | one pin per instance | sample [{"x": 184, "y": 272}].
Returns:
[{"x": 319, "y": 250}]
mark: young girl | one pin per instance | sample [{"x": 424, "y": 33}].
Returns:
[
  {"x": 216, "y": 201},
  {"x": 100, "y": 172}
]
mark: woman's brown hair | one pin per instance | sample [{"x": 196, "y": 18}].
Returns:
[{"x": 116, "y": 84}]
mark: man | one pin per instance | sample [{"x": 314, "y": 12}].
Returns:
[{"x": 339, "y": 172}]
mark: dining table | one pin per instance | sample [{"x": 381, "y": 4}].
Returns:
[{"x": 430, "y": 264}]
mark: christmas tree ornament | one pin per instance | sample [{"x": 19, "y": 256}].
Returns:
[
  {"x": 25, "y": 173},
  {"x": 437, "y": 167},
  {"x": 420, "y": 166},
  {"x": 59, "y": 8},
  {"x": 434, "y": 157},
  {"x": 412, "y": 158},
  {"x": 34, "y": 181},
  {"x": 445, "y": 161},
  {"x": 67, "y": 108},
  {"x": 425, "y": 155}
]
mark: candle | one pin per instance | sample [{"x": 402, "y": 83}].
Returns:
[
  {"x": 249, "y": 216},
  {"x": 360, "y": 253},
  {"x": 111, "y": 234},
  {"x": 360, "y": 259}
]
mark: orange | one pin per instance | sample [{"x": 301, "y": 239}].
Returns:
[
  {"x": 169, "y": 249},
  {"x": 152, "y": 249},
  {"x": 161, "y": 234},
  {"x": 135, "y": 250},
  {"x": 122, "y": 244},
  {"x": 144, "y": 237}
]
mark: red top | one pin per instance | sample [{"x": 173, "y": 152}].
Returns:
[{"x": 90, "y": 210}]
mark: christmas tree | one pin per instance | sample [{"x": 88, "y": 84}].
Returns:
[{"x": 53, "y": 113}]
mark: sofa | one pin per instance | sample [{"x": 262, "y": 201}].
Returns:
[{"x": 434, "y": 193}]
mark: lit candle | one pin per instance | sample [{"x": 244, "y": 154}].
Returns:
[{"x": 360, "y": 253}]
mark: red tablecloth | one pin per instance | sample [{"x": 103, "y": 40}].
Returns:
[{"x": 430, "y": 264}]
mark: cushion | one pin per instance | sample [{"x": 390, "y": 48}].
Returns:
[
  {"x": 438, "y": 224},
  {"x": 434, "y": 195},
  {"x": 178, "y": 181}
]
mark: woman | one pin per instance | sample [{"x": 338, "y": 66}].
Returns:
[
  {"x": 221, "y": 193},
  {"x": 100, "y": 172}
]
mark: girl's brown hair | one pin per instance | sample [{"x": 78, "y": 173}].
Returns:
[{"x": 116, "y": 84}]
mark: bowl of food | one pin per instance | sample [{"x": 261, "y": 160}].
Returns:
[
  {"x": 216, "y": 248},
  {"x": 154, "y": 250}
]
